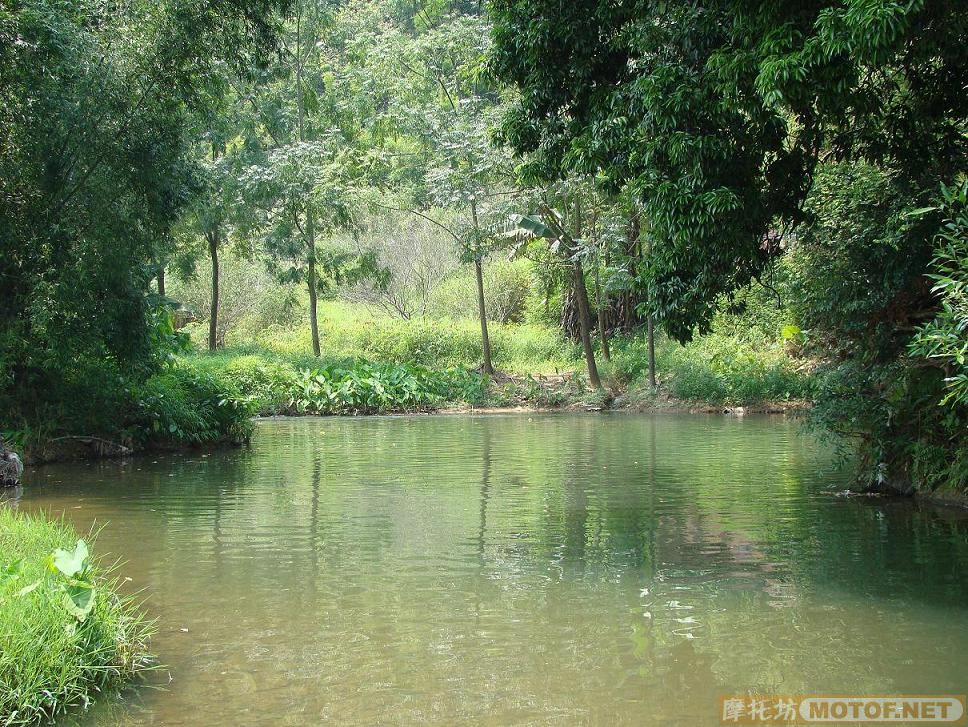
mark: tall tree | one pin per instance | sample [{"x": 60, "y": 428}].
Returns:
[
  {"x": 718, "y": 116},
  {"x": 303, "y": 188},
  {"x": 435, "y": 114},
  {"x": 95, "y": 167}
]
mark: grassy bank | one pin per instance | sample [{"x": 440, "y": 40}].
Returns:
[
  {"x": 717, "y": 370},
  {"x": 65, "y": 634},
  {"x": 374, "y": 364},
  {"x": 714, "y": 370},
  {"x": 351, "y": 331}
]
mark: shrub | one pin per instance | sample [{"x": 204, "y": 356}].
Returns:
[
  {"x": 65, "y": 633},
  {"x": 717, "y": 369},
  {"x": 507, "y": 287},
  {"x": 267, "y": 384},
  {"x": 369, "y": 388},
  {"x": 183, "y": 406}
]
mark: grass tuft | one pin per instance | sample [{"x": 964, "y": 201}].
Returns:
[{"x": 52, "y": 659}]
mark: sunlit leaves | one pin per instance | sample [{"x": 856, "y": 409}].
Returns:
[
  {"x": 71, "y": 563},
  {"x": 945, "y": 338}
]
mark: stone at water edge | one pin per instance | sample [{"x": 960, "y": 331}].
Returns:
[{"x": 11, "y": 468}]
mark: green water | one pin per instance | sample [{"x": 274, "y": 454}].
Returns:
[{"x": 529, "y": 569}]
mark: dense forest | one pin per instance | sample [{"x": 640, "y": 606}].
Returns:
[
  {"x": 213, "y": 212},
  {"x": 211, "y": 209}
]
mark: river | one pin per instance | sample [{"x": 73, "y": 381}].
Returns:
[{"x": 516, "y": 569}]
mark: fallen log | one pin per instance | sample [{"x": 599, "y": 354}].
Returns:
[{"x": 97, "y": 446}]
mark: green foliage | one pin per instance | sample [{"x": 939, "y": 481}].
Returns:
[
  {"x": 750, "y": 131},
  {"x": 452, "y": 343},
  {"x": 859, "y": 236},
  {"x": 368, "y": 388},
  {"x": 717, "y": 115},
  {"x": 508, "y": 285},
  {"x": 716, "y": 369},
  {"x": 65, "y": 634},
  {"x": 75, "y": 568},
  {"x": 250, "y": 297},
  {"x": 97, "y": 102},
  {"x": 944, "y": 339},
  {"x": 869, "y": 388},
  {"x": 279, "y": 384},
  {"x": 353, "y": 331},
  {"x": 182, "y": 406}
]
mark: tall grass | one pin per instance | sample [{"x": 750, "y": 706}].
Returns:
[
  {"x": 350, "y": 331},
  {"x": 50, "y": 659},
  {"x": 716, "y": 369}
]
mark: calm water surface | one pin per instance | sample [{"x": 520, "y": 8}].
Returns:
[{"x": 535, "y": 569}]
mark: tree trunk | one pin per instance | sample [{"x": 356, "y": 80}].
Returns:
[
  {"x": 481, "y": 308},
  {"x": 585, "y": 324},
  {"x": 631, "y": 253},
  {"x": 569, "y": 314},
  {"x": 311, "y": 260},
  {"x": 482, "y": 312},
  {"x": 161, "y": 279},
  {"x": 584, "y": 309},
  {"x": 602, "y": 327},
  {"x": 213, "y": 241},
  {"x": 313, "y": 319},
  {"x": 650, "y": 323}
]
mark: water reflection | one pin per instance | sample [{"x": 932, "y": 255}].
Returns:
[{"x": 517, "y": 570}]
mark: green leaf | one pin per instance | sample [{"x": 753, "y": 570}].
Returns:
[
  {"x": 533, "y": 226},
  {"x": 79, "y": 599},
  {"x": 12, "y": 571},
  {"x": 920, "y": 211},
  {"x": 71, "y": 563}
]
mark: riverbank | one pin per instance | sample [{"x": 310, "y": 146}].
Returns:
[
  {"x": 205, "y": 400},
  {"x": 66, "y": 635},
  {"x": 276, "y": 382}
]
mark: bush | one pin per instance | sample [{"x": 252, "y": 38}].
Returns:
[
  {"x": 716, "y": 369},
  {"x": 65, "y": 634},
  {"x": 266, "y": 383},
  {"x": 182, "y": 406}
]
